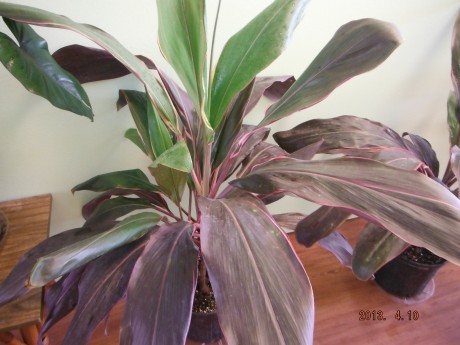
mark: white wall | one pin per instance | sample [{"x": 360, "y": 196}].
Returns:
[{"x": 44, "y": 150}]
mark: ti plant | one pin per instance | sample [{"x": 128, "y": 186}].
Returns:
[
  {"x": 356, "y": 137},
  {"x": 156, "y": 240}
]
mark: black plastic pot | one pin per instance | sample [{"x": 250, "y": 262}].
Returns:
[
  {"x": 405, "y": 277},
  {"x": 204, "y": 328}
]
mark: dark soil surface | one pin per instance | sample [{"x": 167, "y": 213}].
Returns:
[{"x": 422, "y": 255}]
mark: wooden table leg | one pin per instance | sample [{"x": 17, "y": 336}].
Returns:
[
  {"x": 8, "y": 338},
  {"x": 30, "y": 334}
]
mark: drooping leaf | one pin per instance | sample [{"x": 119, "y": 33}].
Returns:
[
  {"x": 336, "y": 243},
  {"x": 260, "y": 154},
  {"x": 112, "y": 209},
  {"x": 250, "y": 50},
  {"x": 125, "y": 179},
  {"x": 375, "y": 247},
  {"x": 230, "y": 125},
  {"x": 398, "y": 157},
  {"x": 35, "y": 16},
  {"x": 256, "y": 276},
  {"x": 89, "y": 64},
  {"x": 133, "y": 135},
  {"x": 67, "y": 258},
  {"x": 14, "y": 284},
  {"x": 423, "y": 150},
  {"x": 455, "y": 162},
  {"x": 177, "y": 158},
  {"x": 319, "y": 224},
  {"x": 272, "y": 87},
  {"x": 33, "y": 66},
  {"x": 342, "y": 134},
  {"x": 414, "y": 207},
  {"x": 288, "y": 220},
  {"x": 60, "y": 299},
  {"x": 102, "y": 285},
  {"x": 152, "y": 197},
  {"x": 357, "y": 47},
  {"x": 182, "y": 39},
  {"x": 166, "y": 272}
]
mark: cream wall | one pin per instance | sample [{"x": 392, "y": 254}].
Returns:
[{"x": 44, "y": 150}]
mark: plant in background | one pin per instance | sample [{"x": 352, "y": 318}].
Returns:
[
  {"x": 144, "y": 240},
  {"x": 357, "y": 137}
]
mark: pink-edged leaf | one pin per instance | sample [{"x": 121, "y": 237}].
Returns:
[
  {"x": 89, "y": 64},
  {"x": 375, "y": 247},
  {"x": 423, "y": 150},
  {"x": 103, "y": 283},
  {"x": 394, "y": 156},
  {"x": 15, "y": 284},
  {"x": 262, "y": 153},
  {"x": 319, "y": 224},
  {"x": 414, "y": 207},
  {"x": 161, "y": 289},
  {"x": 342, "y": 134},
  {"x": 357, "y": 47},
  {"x": 308, "y": 152},
  {"x": 455, "y": 162},
  {"x": 339, "y": 246},
  {"x": 288, "y": 220},
  {"x": 152, "y": 197},
  {"x": 60, "y": 299},
  {"x": 256, "y": 276},
  {"x": 271, "y": 87}
]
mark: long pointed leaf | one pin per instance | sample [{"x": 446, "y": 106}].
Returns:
[
  {"x": 409, "y": 204},
  {"x": 256, "y": 276},
  {"x": 272, "y": 87},
  {"x": 32, "y": 64},
  {"x": 65, "y": 259},
  {"x": 40, "y": 17},
  {"x": 250, "y": 50},
  {"x": 337, "y": 244},
  {"x": 357, "y": 47},
  {"x": 455, "y": 58},
  {"x": 375, "y": 247},
  {"x": 166, "y": 273},
  {"x": 182, "y": 39},
  {"x": 103, "y": 284}
]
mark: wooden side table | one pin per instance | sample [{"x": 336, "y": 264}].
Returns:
[{"x": 28, "y": 224}]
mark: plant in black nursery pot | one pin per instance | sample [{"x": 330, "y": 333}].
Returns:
[
  {"x": 183, "y": 227},
  {"x": 401, "y": 264}
]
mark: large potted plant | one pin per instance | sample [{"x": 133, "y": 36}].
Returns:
[
  {"x": 145, "y": 241},
  {"x": 401, "y": 269}
]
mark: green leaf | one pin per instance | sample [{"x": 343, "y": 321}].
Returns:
[
  {"x": 133, "y": 135},
  {"x": 357, "y": 47},
  {"x": 256, "y": 276},
  {"x": 182, "y": 39},
  {"x": 160, "y": 139},
  {"x": 171, "y": 182},
  {"x": 64, "y": 260},
  {"x": 33, "y": 66},
  {"x": 40, "y": 17},
  {"x": 455, "y": 59},
  {"x": 414, "y": 207},
  {"x": 125, "y": 179},
  {"x": 177, "y": 158},
  {"x": 375, "y": 247},
  {"x": 453, "y": 119},
  {"x": 250, "y": 50}
]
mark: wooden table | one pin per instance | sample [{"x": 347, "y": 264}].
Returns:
[
  {"x": 339, "y": 298},
  {"x": 28, "y": 224}
]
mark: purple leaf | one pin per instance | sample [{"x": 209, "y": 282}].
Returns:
[
  {"x": 414, "y": 207},
  {"x": 92, "y": 64},
  {"x": 288, "y": 220},
  {"x": 455, "y": 162},
  {"x": 455, "y": 58},
  {"x": 262, "y": 153},
  {"x": 15, "y": 284},
  {"x": 271, "y": 87},
  {"x": 102, "y": 285},
  {"x": 342, "y": 134},
  {"x": 375, "y": 247},
  {"x": 423, "y": 150},
  {"x": 161, "y": 289},
  {"x": 339, "y": 246},
  {"x": 256, "y": 276},
  {"x": 319, "y": 224}
]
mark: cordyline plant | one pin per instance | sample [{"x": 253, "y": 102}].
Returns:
[
  {"x": 196, "y": 139},
  {"x": 352, "y": 136}
]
